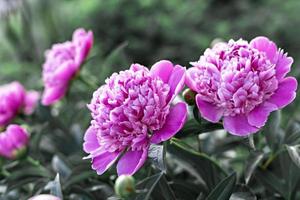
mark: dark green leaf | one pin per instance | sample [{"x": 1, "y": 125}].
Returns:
[
  {"x": 252, "y": 162},
  {"x": 224, "y": 189},
  {"x": 273, "y": 132},
  {"x": 294, "y": 153},
  {"x": 55, "y": 187},
  {"x": 147, "y": 186}
]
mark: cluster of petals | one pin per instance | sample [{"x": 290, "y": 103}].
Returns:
[
  {"x": 15, "y": 99},
  {"x": 242, "y": 83},
  {"x": 62, "y": 63},
  {"x": 13, "y": 140},
  {"x": 132, "y": 110}
]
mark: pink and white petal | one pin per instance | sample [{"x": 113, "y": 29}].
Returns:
[
  {"x": 208, "y": 111},
  {"x": 238, "y": 125},
  {"x": 190, "y": 78},
  {"x": 283, "y": 65},
  {"x": 162, "y": 69},
  {"x": 66, "y": 71},
  {"x": 131, "y": 162},
  {"x": 31, "y": 101},
  {"x": 176, "y": 81},
  {"x": 104, "y": 161},
  {"x": 259, "y": 115},
  {"x": 285, "y": 93},
  {"x": 265, "y": 45},
  {"x": 174, "y": 122},
  {"x": 90, "y": 140},
  {"x": 53, "y": 94}
]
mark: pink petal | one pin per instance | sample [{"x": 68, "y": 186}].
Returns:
[
  {"x": 190, "y": 78},
  {"x": 238, "y": 125},
  {"x": 31, "y": 101},
  {"x": 176, "y": 81},
  {"x": 53, "y": 94},
  {"x": 162, "y": 69},
  {"x": 208, "y": 111},
  {"x": 259, "y": 115},
  {"x": 174, "y": 122},
  {"x": 264, "y": 44},
  {"x": 131, "y": 162},
  {"x": 90, "y": 140},
  {"x": 285, "y": 93},
  {"x": 104, "y": 161},
  {"x": 283, "y": 65}
]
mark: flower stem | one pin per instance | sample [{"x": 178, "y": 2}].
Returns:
[
  {"x": 33, "y": 161},
  {"x": 87, "y": 82}
]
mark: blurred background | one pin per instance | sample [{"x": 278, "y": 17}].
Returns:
[{"x": 142, "y": 31}]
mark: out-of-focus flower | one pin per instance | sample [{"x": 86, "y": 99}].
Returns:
[
  {"x": 63, "y": 62},
  {"x": 13, "y": 141},
  {"x": 125, "y": 186},
  {"x": 44, "y": 197},
  {"x": 242, "y": 82},
  {"x": 132, "y": 110},
  {"x": 15, "y": 99}
]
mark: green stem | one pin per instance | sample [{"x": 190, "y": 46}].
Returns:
[
  {"x": 4, "y": 172},
  {"x": 88, "y": 83},
  {"x": 271, "y": 159},
  {"x": 33, "y": 161}
]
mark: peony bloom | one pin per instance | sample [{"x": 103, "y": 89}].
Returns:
[
  {"x": 13, "y": 141},
  {"x": 63, "y": 62},
  {"x": 242, "y": 83},
  {"x": 132, "y": 110},
  {"x": 14, "y": 99},
  {"x": 44, "y": 197}
]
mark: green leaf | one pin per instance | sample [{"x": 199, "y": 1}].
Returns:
[
  {"x": 200, "y": 165},
  {"x": 224, "y": 189},
  {"x": 157, "y": 154},
  {"x": 252, "y": 162},
  {"x": 148, "y": 186},
  {"x": 273, "y": 133},
  {"x": 60, "y": 167},
  {"x": 294, "y": 153}
]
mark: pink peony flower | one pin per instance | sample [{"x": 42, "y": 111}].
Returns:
[
  {"x": 132, "y": 110},
  {"x": 13, "y": 140},
  {"x": 14, "y": 99},
  {"x": 242, "y": 83},
  {"x": 44, "y": 197},
  {"x": 63, "y": 62}
]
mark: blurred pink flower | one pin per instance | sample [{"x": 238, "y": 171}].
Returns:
[
  {"x": 243, "y": 83},
  {"x": 131, "y": 111},
  {"x": 62, "y": 64},
  {"x": 13, "y": 140},
  {"x": 14, "y": 99},
  {"x": 44, "y": 197}
]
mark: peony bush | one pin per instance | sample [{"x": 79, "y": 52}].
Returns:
[{"x": 214, "y": 129}]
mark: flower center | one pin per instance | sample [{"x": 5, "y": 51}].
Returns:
[
  {"x": 235, "y": 77},
  {"x": 128, "y": 108}
]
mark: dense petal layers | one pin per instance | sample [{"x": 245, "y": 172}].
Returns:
[
  {"x": 13, "y": 139},
  {"x": 63, "y": 62},
  {"x": 242, "y": 83},
  {"x": 132, "y": 110}
]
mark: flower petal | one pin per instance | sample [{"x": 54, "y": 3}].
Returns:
[
  {"x": 238, "y": 125},
  {"x": 162, "y": 69},
  {"x": 104, "y": 161},
  {"x": 31, "y": 101},
  {"x": 90, "y": 140},
  {"x": 264, "y": 44},
  {"x": 283, "y": 65},
  {"x": 131, "y": 162},
  {"x": 53, "y": 94},
  {"x": 174, "y": 122},
  {"x": 285, "y": 93},
  {"x": 176, "y": 81},
  {"x": 190, "y": 78},
  {"x": 208, "y": 111},
  {"x": 259, "y": 115}
]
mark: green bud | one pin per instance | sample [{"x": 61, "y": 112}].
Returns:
[
  {"x": 125, "y": 186},
  {"x": 189, "y": 96},
  {"x": 20, "y": 153}
]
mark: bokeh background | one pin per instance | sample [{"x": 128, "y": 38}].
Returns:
[{"x": 131, "y": 31}]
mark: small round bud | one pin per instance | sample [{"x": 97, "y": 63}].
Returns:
[
  {"x": 125, "y": 186},
  {"x": 20, "y": 153},
  {"x": 189, "y": 96}
]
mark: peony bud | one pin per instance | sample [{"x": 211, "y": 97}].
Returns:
[
  {"x": 125, "y": 186},
  {"x": 189, "y": 96}
]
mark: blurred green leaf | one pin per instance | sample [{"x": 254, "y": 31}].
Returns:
[
  {"x": 252, "y": 162},
  {"x": 273, "y": 132},
  {"x": 294, "y": 153},
  {"x": 55, "y": 187},
  {"x": 157, "y": 155},
  {"x": 147, "y": 186},
  {"x": 224, "y": 189}
]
